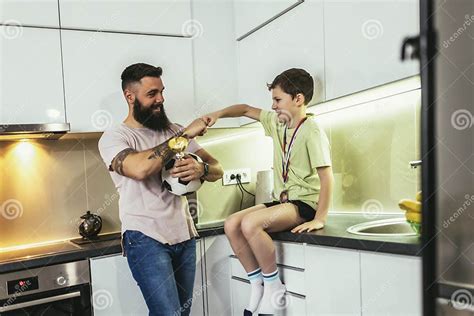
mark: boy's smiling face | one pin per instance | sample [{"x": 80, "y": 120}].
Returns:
[{"x": 285, "y": 105}]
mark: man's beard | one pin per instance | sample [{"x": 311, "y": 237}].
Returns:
[{"x": 150, "y": 119}]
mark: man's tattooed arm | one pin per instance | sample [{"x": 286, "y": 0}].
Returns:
[
  {"x": 163, "y": 151},
  {"x": 117, "y": 162}
]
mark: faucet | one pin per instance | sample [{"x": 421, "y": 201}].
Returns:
[{"x": 415, "y": 163}]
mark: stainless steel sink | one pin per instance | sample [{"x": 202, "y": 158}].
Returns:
[{"x": 393, "y": 227}]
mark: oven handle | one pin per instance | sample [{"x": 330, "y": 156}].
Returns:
[{"x": 40, "y": 301}]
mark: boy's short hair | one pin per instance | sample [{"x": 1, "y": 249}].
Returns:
[
  {"x": 134, "y": 73},
  {"x": 294, "y": 81}
]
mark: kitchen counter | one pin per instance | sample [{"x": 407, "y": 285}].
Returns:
[
  {"x": 67, "y": 251},
  {"x": 334, "y": 234}
]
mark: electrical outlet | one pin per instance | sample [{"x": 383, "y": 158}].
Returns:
[{"x": 244, "y": 176}]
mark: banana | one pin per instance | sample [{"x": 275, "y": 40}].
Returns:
[
  {"x": 413, "y": 217},
  {"x": 410, "y": 205},
  {"x": 418, "y": 196}
]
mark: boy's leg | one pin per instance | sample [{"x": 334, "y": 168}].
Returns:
[
  {"x": 255, "y": 227},
  {"x": 242, "y": 250},
  {"x": 184, "y": 265},
  {"x": 151, "y": 264},
  {"x": 238, "y": 242}
]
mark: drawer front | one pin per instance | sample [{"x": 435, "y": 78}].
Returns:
[
  {"x": 290, "y": 254},
  {"x": 292, "y": 277}
]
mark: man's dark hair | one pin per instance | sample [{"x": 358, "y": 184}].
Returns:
[
  {"x": 134, "y": 73},
  {"x": 294, "y": 81}
]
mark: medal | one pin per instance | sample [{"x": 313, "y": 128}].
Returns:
[
  {"x": 284, "y": 196},
  {"x": 285, "y": 164}
]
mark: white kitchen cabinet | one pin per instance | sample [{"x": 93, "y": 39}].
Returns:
[
  {"x": 251, "y": 14},
  {"x": 294, "y": 40},
  {"x": 31, "y": 83},
  {"x": 332, "y": 281},
  {"x": 391, "y": 284},
  {"x": 363, "y": 42},
  {"x": 170, "y": 17},
  {"x": 114, "y": 290},
  {"x": 31, "y": 13},
  {"x": 240, "y": 295},
  {"x": 94, "y": 61},
  {"x": 199, "y": 291},
  {"x": 215, "y": 59},
  {"x": 217, "y": 274}
]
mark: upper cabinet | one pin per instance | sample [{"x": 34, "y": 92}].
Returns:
[
  {"x": 166, "y": 17},
  {"x": 31, "y": 84},
  {"x": 93, "y": 64},
  {"x": 31, "y": 13},
  {"x": 294, "y": 40},
  {"x": 363, "y": 42},
  {"x": 250, "y": 15}
]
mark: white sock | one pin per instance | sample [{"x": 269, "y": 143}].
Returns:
[
  {"x": 256, "y": 292},
  {"x": 273, "y": 299}
]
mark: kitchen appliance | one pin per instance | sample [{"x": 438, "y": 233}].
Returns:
[
  {"x": 90, "y": 225},
  {"x": 62, "y": 289},
  {"x": 264, "y": 187},
  {"x": 9, "y": 132},
  {"x": 447, "y": 77}
]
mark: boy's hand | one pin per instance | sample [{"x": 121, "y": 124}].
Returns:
[
  {"x": 315, "y": 224},
  {"x": 210, "y": 119},
  {"x": 197, "y": 127}
]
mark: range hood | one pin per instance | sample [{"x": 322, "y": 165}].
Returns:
[{"x": 50, "y": 131}]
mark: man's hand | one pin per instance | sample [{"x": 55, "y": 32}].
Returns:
[
  {"x": 187, "y": 169},
  {"x": 198, "y": 127},
  {"x": 315, "y": 224}
]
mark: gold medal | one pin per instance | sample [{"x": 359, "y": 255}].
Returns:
[{"x": 284, "y": 196}]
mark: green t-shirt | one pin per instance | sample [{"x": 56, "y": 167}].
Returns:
[{"x": 310, "y": 150}]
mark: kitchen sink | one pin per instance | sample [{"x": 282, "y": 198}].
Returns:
[{"x": 394, "y": 227}]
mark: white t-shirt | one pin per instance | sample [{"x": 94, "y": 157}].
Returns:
[{"x": 145, "y": 205}]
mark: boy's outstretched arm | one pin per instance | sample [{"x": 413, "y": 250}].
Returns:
[
  {"x": 236, "y": 110},
  {"x": 327, "y": 181}
]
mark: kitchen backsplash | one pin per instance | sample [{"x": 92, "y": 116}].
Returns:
[{"x": 48, "y": 185}]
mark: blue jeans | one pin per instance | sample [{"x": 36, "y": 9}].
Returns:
[{"x": 165, "y": 273}]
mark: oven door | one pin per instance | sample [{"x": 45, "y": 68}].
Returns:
[{"x": 74, "y": 300}]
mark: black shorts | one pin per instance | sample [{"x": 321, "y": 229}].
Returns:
[{"x": 304, "y": 210}]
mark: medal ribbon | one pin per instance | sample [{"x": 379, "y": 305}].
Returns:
[{"x": 285, "y": 164}]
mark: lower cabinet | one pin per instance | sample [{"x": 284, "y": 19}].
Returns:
[
  {"x": 332, "y": 281},
  {"x": 320, "y": 281},
  {"x": 390, "y": 284},
  {"x": 217, "y": 250},
  {"x": 199, "y": 291},
  {"x": 114, "y": 291}
]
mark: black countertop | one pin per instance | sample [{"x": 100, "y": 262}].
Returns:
[
  {"x": 67, "y": 251},
  {"x": 334, "y": 234}
]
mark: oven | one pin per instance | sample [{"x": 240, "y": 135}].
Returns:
[{"x": 61, "y": 289}]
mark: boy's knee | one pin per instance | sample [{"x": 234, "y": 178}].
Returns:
[
  {"x": 231, "y": 225},
  {"x": 248, "y": 226}
]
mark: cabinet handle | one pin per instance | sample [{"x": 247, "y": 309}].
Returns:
[
  {"x": 411, "y": 45},
  {"x": 40, "y": 301}
]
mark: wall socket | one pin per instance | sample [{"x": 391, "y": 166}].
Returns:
[{"x": 244, "y": 176}]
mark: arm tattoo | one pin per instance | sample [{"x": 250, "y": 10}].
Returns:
[
  {"x": 117, "y": 162},
  {"x": 163, "y": 151}
]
